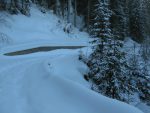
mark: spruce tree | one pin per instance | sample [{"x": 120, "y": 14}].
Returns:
[
  {"x": 107, "y": 64},
  {"x": 139, "y": 77},
  {"x": 143, "y": 84}
]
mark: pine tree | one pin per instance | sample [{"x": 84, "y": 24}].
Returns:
[
  {"x": 144, "y": 84},
  {"x": 107, "y": 64},
  {"x": 101, "y": 25},
  {"x": 139, "y": 77}
]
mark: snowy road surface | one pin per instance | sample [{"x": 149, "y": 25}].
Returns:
[{"x": 51, "y": 82}]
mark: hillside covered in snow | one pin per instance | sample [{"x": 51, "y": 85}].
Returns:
[
  {"x": 39, "y": 29},
  {"x": 52, "y": 81}
]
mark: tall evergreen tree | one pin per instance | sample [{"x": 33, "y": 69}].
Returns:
[
  {"x": 101, "y": 21},
  {"x": 107, "y": 63}
]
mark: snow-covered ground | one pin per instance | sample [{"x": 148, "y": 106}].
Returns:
[
  {"x": 47, "y": 82},
  {"x": 51, "y": 82},
  {"x": 40, "y": 29}
]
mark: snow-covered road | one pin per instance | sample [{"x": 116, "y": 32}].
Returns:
[{"x": 51, "y": 82}]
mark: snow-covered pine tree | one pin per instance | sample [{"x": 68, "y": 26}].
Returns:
[
  {"x": 107, "y": 63},
  {"x": 24, "y": 7},
  {"x": 139, "y": 77},
  {"x": 143, "y": 84},
  {"x": 101, "y": 25},
  {"x": 135, "y": 71}
]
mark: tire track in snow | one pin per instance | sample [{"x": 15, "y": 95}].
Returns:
[
  {"x": 30, "y": 88},
  {"x": 10, "y": 89},
  {"x": 11, "y": 86}
]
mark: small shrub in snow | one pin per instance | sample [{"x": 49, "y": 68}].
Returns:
[{"x": 68, "y": 28}]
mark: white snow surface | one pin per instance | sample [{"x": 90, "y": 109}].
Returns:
[
  {"x": 51, "y": 82},
  {"x": 47, "y": 82},
  {"x": 39, "y": 29}
]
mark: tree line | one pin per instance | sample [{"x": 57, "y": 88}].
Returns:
[
  {"x": 112, "y": 71},
  {"x": 129, "y": 17}
]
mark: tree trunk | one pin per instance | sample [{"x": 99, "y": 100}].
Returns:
[
  {"x": 69, "y": 11},
  {"x": 58, "y": 11},
  {"x": 88, "y": 15},
  {"x": 75, "y": 13}
]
